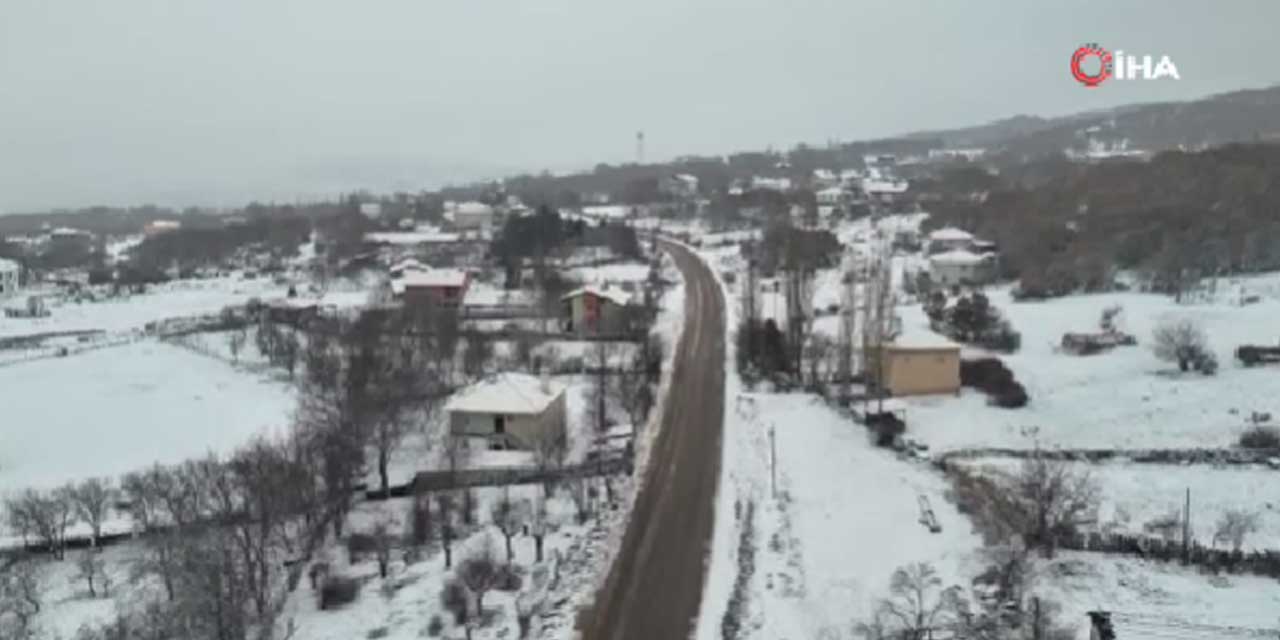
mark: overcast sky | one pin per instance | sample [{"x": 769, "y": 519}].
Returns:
[{"x": 217, "y": 102}]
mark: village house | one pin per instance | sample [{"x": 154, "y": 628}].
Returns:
[
  {"x": 949, "y": 239},
  {"x": 680, "y": 185},
  {"x": 157, "y": 227},
  {"x": 446, "y": 287},
  {"x": 509, "y": 411},
  {"x": 596, "y": 310},
  {"x": 832, "y": 196},
  {"x": 472, "y": 215},
  {"x": 10, "y": 274},
  {"x": 885, "y": 191},
  {"x": 962, "y": 267},
  {"x": 920, "y": 365},
  {"x": 66, "y": 238}
]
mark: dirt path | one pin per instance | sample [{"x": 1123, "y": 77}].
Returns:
[{"x": 654, "y": 588}]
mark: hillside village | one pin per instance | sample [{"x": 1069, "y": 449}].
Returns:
[{"x": 428, "y": 415}]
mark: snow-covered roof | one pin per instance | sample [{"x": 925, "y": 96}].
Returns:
[
  {"x": 686, "y": 178},
  {"x": 870, "y": 185},
  {"x": 68, "y": 231},
  {"x": 507, "y": 393},
  {"x": 613, "y": 211},
  {"x": 485, "y": 296},
  {"x": 831, "y": 191},
  {"x": 434, "y": 278},
  {"x": 950, "y": 234},
  {"x": 957, "y": 257},
  {"x": 922, "y": 338},
  {"x": 617, "y": 296},
  {"x": 408, "y": 265},
  {"x": 411, "y": 237},
  {"x": 474, "y": 208},
  {"x": 8, "y": 266}
]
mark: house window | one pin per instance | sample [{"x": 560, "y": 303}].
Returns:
[{"x": 499, "y": 424}]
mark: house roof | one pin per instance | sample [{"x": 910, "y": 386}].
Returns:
[
  {"x": 411, "y": 237},
  {"x": 408, "y": 265},
  {"x": 923, "y": 339},
  {"x": 509, "y": 393},
  {"x": 871, "y": 185},
  {"x": 474, "y": 208},
  {"x": 434, "y": 278},
  {"x": 950, "y": 233},
  {"x": 7, "y": 265},
  {"x": 958, "y": 257},
  {"x": 616, "y": 296},
  {"x": 831, "y": 191}
]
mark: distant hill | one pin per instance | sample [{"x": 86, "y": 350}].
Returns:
[{"x": 1250, "y": 115}]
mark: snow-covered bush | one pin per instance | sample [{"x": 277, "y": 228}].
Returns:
[
  {"x": 337, "y": 591},
  {"x": 1261, "y": 438},
  {"x": 1183, "y": 340}
]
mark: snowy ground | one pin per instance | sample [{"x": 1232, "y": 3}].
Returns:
[
  {"x": 1125, "y": 398},
  {"x": 844, "y": 516},
  {"x": 108, "y": 412},
  {"x": 1133, "y": 495}
]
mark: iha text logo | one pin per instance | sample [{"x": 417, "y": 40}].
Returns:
[{"x": 1091, "y": 65}]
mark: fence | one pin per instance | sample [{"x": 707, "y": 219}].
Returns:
[
  {"x": 1262, "y": 562},
  {"x": 502, "y": 476},
  {"x": 1145, "y": 456}
]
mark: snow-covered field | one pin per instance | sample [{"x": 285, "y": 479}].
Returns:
[
  {"x": 1124, "y": 398},
  {"x": 125, "y": 313},
  {"x": 112, "y": 411}
]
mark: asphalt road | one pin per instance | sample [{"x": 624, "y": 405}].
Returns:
[{"x": 654, "y": 588}]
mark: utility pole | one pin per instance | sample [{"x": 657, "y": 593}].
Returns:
[
  {"x": 1186, "y": 529},
  {"x": 773, "y": 460}
]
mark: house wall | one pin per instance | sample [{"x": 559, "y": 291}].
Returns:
[
  {"x": 910, "y": 372},
  {"x": 948, "y": 274},
  {"x": 593, "y": 314},
  {"x": 521, "y": 430},
  {"x": 8, "y": 282},
  {"x": 448, "y": 296},
  {"x": 472, "y": 220}
]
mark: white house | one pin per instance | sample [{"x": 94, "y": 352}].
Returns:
[
  {"x": 472, "y": 215},
  {"x": 680, "y": 185},
  {"x": 832, "y": 196},
  {"x": 371, "y": 210},
  {"x": 9, "y": 275},
  {"x": 949, "y": 239},
  {"x": 884, "y": 189},
  {"x": 961, "y": 267},
  {"x": 509, "y": 411},
  {"x": 772, "y": 184}
]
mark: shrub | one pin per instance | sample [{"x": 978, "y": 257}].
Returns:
[
  {"x": 359, "y": 544},
  {"x": 509, "y": 578},
  {"x": 454, "y": 599},
  {"x": 993, "y": 378},
  {"x": 1261, "y": 438},
  {"x": 435, "y": 627},
  {"x": 337, "y": 591},
  {"x": 1011, "y": 396},
  {"x": 376, "y": 634}
]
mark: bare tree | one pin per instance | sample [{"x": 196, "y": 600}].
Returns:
[
  {"x": 93, "y": 571},
  {"x": 92, "y": 499},
  {"x": 19, "y": 600},
  {"x": 480, "y": 573},
  {"x": 1234, "y": 526},
  {"x": 877, "y": 317},
  {"x": 1181, "y": 340},
  {"x": 598, "y": 400},
  {"x": 477, "y": 354},
  {"x": 444, "y": 512},
  {"x": 539, "y": 526},
  {"x": 918, "y": 603},
  {"x": 633, "y": 390},
  {"x": 235, "y": 343},
  {"x": 44, "y": 515},
  {"x": 509, "y": 517},
  {"x": 550, "y": 447},
  {"x": 383, "y": 544},
  {"x": 1047, "y": 500}
]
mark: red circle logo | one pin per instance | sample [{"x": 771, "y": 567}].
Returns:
[{"x": 1082, "y": 55}]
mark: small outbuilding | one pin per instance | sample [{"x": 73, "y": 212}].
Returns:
[{"x": 920, "y": 364}]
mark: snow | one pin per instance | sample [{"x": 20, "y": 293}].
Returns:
[
  {"x": 1123, "y": 398},
  {"x": 509, "y": 393},
  {"x": 957, "y": 257},
  {"x": 1136, "y": 494},
  {"x": 409, "y": 238},
  {"x": 116, "y": 410},
  {"x": 616, "y": 296},
  {"x": 126, "y": 313},
  {"x": 620, "y": 273},
  {"x": 950, "y": 234}
]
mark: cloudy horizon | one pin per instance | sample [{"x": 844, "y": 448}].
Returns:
[{"x": 220, "y": 103}]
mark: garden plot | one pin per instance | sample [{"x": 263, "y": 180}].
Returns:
[
  {"x": 1125, "y": 398},
  {"x": 108, "y": 412}
]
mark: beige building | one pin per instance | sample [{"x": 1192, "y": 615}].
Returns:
[
  {"x": 922, "y": 365},
  {"x": 508, "y": 411}
]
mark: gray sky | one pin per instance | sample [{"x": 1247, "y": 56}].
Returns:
[{"x": 222, "y": 101}]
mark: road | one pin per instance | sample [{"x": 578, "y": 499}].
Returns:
[{"x": 654, "y": 588}]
